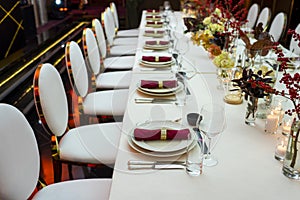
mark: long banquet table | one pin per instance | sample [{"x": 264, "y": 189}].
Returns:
[{"x": 246, "y": 169}]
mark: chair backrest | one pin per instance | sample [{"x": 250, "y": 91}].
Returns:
[
  {"x": 294, "y": 47},
  {"x": 20, "y": 160},
  {"x": 278, "y": 26},
  {"x": 91, "y": 50},
  {"x": 50, "y": 99},
  {"x": 252, "y": 15},
  {"x": 109, "y": 26},
  {"x": 114, "y": 11},
  {"x": 77, "y": 69},
  {"x": 97, "y": 28},
  {"x": 264, "y": 17}
]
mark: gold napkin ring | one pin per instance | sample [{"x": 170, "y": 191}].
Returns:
[
  {"x": 163, "y": 133},
  {"x": 156, "y": 58},
  {"x": 157, "y": 42},
  {"x": 160, "y": 84},
  {"x": 155, "y": 22}
]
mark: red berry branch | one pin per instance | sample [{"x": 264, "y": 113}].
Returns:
[{"x": 292, "y": 92}]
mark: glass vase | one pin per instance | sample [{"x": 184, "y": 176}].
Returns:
[
  {"x": 251, "y": 110},
  {"x": 291, "y": 163}
]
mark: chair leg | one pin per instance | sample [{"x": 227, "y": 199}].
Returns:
[
  {"x": 57, "y": 169},
  {"x": 70, "y": 172}
]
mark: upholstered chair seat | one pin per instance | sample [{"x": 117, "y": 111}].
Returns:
[{"x": 20, "y": 164}]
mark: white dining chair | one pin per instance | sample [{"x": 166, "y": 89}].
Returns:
[
  {"x": 264, "y": 17},
  {"x": 104, "y": 80},
  {"x": 252, "y": 15},
  {"x": 294, "y": 45},
  {"x": 20, "y": 165},
  {"x": 108, "y": 102},
  {"x": 110, "y": 63},
  {"x": 122, "y": 33},
  {"x": 278, "y": 26},
  {"x": 90, "y": 144},
  {"x": 129, "y": 44}
]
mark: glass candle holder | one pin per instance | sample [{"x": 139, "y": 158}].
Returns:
[
  {"x": 271, "y": 124},
  {"x": 281, "y": 147},
  {"x": 286, "y": 126}
]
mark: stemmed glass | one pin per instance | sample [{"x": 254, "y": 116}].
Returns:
[
  {"x": 181, "y": 48},
  {"x": 212, "y": 124},
  {"x": 167, "y": 5}
]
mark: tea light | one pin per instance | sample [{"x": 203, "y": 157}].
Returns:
[
  {"x": 286, "y": 127},
  {"x": 271, "y": 123},
  {"x": 281, "y": 147},
  {"x": 280, "y": 113}
]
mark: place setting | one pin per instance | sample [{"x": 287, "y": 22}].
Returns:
[
  {"x": 154, "y": 33},
  {"x": 157, "y": 45},
  {"x": 159, "y": 88},
  {"x": 161, "y": 139},
  {"x": 153, "y": 17},
  {"x": 158, "y": 62},
  {"x": 152, "y": 12},
  {"x": 154, "y": 24}
]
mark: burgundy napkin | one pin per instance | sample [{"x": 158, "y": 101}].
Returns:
[
  {"x": 156, "y": 59},
  {"x": 153, "y": 23},
  {"x": 153, "y": 17},
  {"x": 152, "y": 11},
  {"x": 155, "y": 84},
  {"x": 157, "y": 42},
  {"x": 154, "y": 32},
  {"x": 146, "y": 134}
]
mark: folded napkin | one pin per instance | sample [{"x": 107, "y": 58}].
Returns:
[
  {"x": 153, "y": 17},
  {"x": 154, "y": 23},
  {"x": 152, "y": 11},
  {"x": 149, "y": 84},
  {"x": 156, "y": 42},
  {"x": 154, "y": 32},
  {"x": 156, "y": 58},
  {"x": 160, "y": 134}
]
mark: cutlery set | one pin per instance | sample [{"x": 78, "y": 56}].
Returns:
[
  {"x": 155, "y": 100},
  {"x": 157, "y": 165}
]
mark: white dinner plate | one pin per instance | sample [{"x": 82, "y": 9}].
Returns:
[
  {"x": 159, "y": 90},
  {"x": 157, "y": 154},
  {"x": 162, "y": 146},
  {"x": 157, "y": 64},
  {"x": 179, "y": 88},
  {"x": 156, "y": 47},
  {"x": 155, "y": 35},
  {"x": 152, "y": 13},
  {"x": 154, "y": 25}
]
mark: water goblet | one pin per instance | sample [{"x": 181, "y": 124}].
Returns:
[
  {"x": 182, "y": 47},
  {"x": 167, "y": 5},
  {"x": 212, "y": 124}
]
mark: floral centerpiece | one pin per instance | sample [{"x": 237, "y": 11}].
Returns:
[
  {"x": 219, "y": 19},
  {"x": 291, "y": 166}
]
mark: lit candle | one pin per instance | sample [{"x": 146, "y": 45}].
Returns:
[
  {"x": 280, "y": 151},
  {"x": 279, "y": 112},
  {"x": 271, "y": 123},
  {"x": 286, "y": 129}
]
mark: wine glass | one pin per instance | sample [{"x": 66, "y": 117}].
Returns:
[
  {"x": 167, "y": 5},
  {"x": 212, "y": 124},
  {"x": 181, "y": 47}
]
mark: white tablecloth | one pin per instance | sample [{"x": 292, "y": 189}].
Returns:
[{"x": 246, "y": 169}]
